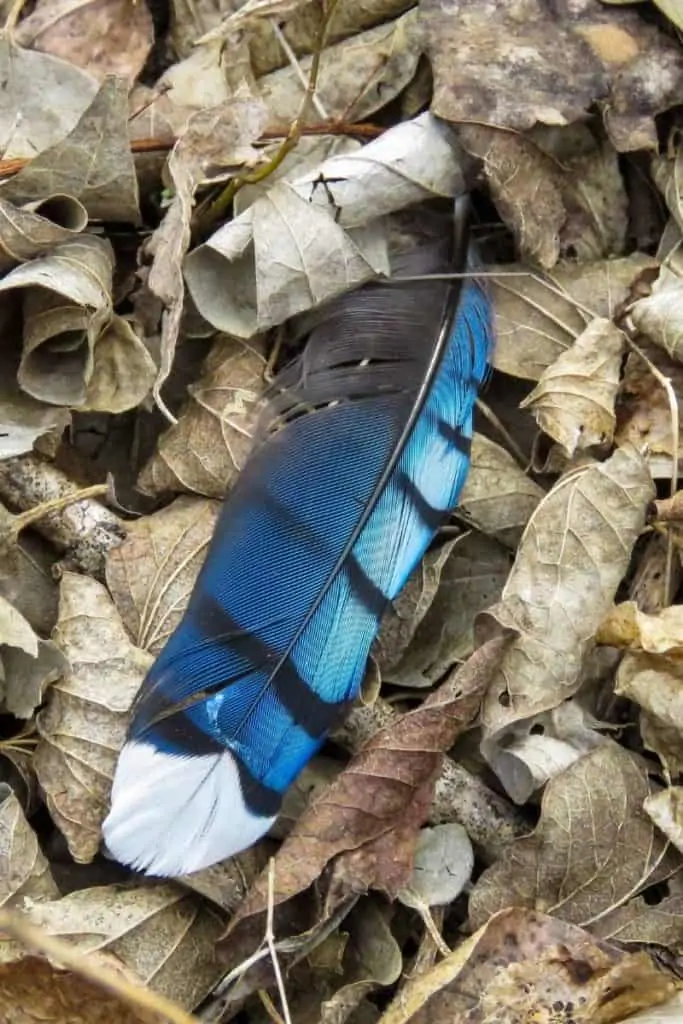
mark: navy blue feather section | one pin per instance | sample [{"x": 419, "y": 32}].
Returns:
[{"x": 363, "y": 451}]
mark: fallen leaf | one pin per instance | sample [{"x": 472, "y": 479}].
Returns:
[
  {"x": 644, "y": 408},
  {"x": 376, "y": 795},
  {"x": 205, "y": 450},
  {"x": 654, "y": 683},
  {"x": 104, "y": 37},
  {"x": 24, "y": 871},
  {"x": 571, "y": 559},
  {"x": 658, "y": 315},
  {"x": 627, "y": 626},
  {"x": 28, "y": 664},
  {"x": 498, "y": 497},
  {"x": 27, "y": 233},
  {"x": 151, "y": 575},
  {"x": 471, "y": 580},
  {"x": 83, "y": 724},
  {"x": 27, "y": 124},
  {"x": 164, "y": 935},
  {"x": 574, "y": 399},
  {"x": 93, "y": 162},
  {"x": 524, "y": 966},
  {"x": 123, "y": 371},
  {"x": 592, "y": 851},
  {"x": 666, "y": 810},
  {"x": 670, "y": 1012},
  {"x": 444, "y": 860},
  {"x": 357, "y": 76},
  {"x": 321, "y": 253}
]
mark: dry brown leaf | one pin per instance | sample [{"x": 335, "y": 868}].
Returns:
[
  {"x": 163, "y": 934},
  {"x": 471, "y": 580},
  {"x": 93, "y": 162},
  {"x": 592, "y": 851},
  {"x": 644, "y": 408},
  {"x": 571, "y": 559},
  {"x": 535, "y": 325},
  {"x": 28, "y": 664},
  {"x": 104, "y": 37},
  {"x": 659, "y": 315},
  {"x": 24, "y": 871},
  {"x": 357, "y": 76},
  {"x": 524, "y": 966},
  {"x": 151, "y": 575},
  {"x": 30, "y": 77},
  {"x": 655, "y": 684},
  {"x": 643, "y": 87},
  {"x": 627, "y": 626},
  {"x": 498, "y": 496},
  {"x": 84, "y": 722},
  {"x": 30, "y": 232},
  {"x": 407, "y": 611},
  {"x": 365, "y": 821},
  {"x": 574, "y": 400},
  {"x": 666, "y": 810},
  {"x": 26, "y": 581},
  {"x": 123, "y": 370},
  {"x": 205, "y": 450},
  {"x": 647, "y": 919}
]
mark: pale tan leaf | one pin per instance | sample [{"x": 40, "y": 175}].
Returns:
[
  {"x": 75, "y": 30},
  {"x": 593, "y": 849},
  {"x": 659, "y": 315},
  {"x": 498, "y": 496},
  {"x": 160, "y": 932},
  {"x": 626, "y": 626},
  {"x": 207, "y": 447},
  {"x": 93, "y": 162},
  {"x": 655, "y": 684},
  {"x": 123, "y": 370},
  {"x": 535, "y": 325},
  {"x": 27, "y": 124},
  {"x": 524, "y": 966},
  {"x": 571, "y": 559},
  {"x": 471, "y": 580},
  {"x": 24, "y": 871},
  {"x": 26, "y": 678},
  {"x": 15, "y": 630},
  {"x": 30, "y": 232},
  {"x": 67, "y": 303},
  {"x": 670, "y": 1012},
  {"x": 321, "y": 251},
  {"x": 574, "y": 400},
  {"x": 666, "y": 810},
  {"x": 444, "y": 860},
  {"x": 151, "y": 575},
  {"x": 644, "y": 407},
  {"x": 83, "y": 724}
]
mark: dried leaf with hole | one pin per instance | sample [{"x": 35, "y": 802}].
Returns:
[
  {"x": 104, "y": 37},
  {"x": 323, "y": 250},
  {"x": 93, "y": 163},
  {"x": 574, "y": 400},
  {"x": 366, "y": 822},
  {"x": 163, "y": 934},
  {"x": 205, "y": 450},
  {"x": 84, "y": 722},
  {"x": 30, "y": 77},
  {"x": 592, "y": 851},
  {"x": 524, "y": 966},
  {"x": 498, "y": 496},
  {"x": 24, "y": 871},
  {"x": 151, "y": 575},
  {"x": 571, "y": 559}
]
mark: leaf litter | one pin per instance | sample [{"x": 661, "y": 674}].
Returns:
[{"x": 497, "y": 832}]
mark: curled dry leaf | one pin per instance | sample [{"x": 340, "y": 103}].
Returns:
[
  {"x": 592, "y": 851},
  {"x": 498, "y": 496},
  {"x": 524, "y": 966},
  {"x": 471, "y": 580},
  {"x": 24, "y": 871},
  {"x": 627, "y": 626},
  {"x": 654, "y": 683},
  {"x": 666, "y": 810},
  {"x": 357, "y": 76},
  {"x": 151, "y": 575},
  {"x": 571, "y": 559},
  {"x": 371, "y": 813},
  {"x": 161, "y": 933},
  {"x": 124, "y": 371},
  {"x": 30, "y": 77},
  {"x": 84, "y": 722},
  {"x": 205, "y": 450},
  {"x": 644, "y": 408},
  {"x": 93, "y": 162},
  {"x": 76, "y": 31},
  {"x": 27, "y": 233},
  {"x": 574, "y": 400},
  {"x": 323, "y": 250},
  {"x": 536, "y": 322}
]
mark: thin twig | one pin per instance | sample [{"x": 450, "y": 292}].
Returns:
[
  {"x": 270, "y": 942},
  {"x": 514, "y": 448}
]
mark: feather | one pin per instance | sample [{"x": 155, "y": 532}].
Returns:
[{"x": 360, "y": 456}]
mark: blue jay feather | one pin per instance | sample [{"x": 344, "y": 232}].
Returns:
[{"x": 361, "y": 453}]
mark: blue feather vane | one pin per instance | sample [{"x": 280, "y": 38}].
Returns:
[{"x": 361, "y": 453}]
